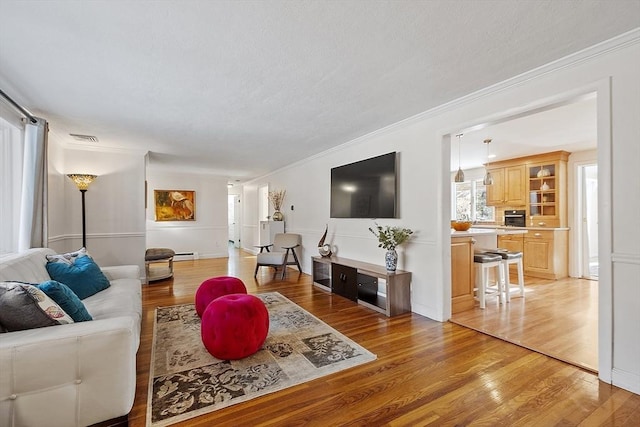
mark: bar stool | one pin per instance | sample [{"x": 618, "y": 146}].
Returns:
[
  {"x": 509, "y": 257},
  {"x": 483, "y": 262}
]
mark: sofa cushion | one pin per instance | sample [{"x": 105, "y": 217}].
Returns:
[
  {"x": 67, "y": 299},
  {"x": 84, "y": 277},
  {"x": 25, "y": 306},
  {"x": 27, "y": 266},
  {"x": 122, "y": 299}
]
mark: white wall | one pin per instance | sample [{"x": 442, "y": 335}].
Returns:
[
  {"x": 57, "y": 204},
  {"x": 424, "y": 190},
  {"x": 114, "y": 204},
  {"x": 208, "y": 235},
  {"x": 249, "y": 234}
]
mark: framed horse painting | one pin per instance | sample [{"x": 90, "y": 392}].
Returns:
[{"x": 175, "y": 205}]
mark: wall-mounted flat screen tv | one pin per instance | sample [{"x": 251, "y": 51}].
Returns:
[{"x": 365, "y": 189}]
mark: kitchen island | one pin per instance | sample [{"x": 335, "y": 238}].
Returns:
[{"x": 463, "y": 275}]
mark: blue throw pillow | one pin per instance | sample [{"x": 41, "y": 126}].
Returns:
[
  {"x": 65, "y": 298},
  {"x": 84, "y": 277}
]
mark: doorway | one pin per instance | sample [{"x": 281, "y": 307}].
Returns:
[
  {"x": 233, "y": 218},
  {"x": 588, "y": 178},
  {"x": 551, "y": 303}
]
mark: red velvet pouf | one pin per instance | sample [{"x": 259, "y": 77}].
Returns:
[
  {"x": 216, "y": 287},
  {"x": 234, "y": 326}
]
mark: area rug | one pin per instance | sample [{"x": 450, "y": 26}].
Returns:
[{"x": 186, "y": 381}]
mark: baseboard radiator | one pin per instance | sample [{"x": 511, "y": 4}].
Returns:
[{"x": 186, "y": 256}]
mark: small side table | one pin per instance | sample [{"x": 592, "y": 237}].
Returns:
[{"x": 163, "y": 256}]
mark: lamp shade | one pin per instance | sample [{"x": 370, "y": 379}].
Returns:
[
  {"x": 488, "y": 179},
  {"x": 82, "y": 180},
  {"x": 459, "y": 176}
]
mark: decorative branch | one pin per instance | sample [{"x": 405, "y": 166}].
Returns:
[
  {"x": 276, "y": 197},
  {"x": 390, "y": 237}
]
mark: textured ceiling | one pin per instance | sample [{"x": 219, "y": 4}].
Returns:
[
  {"x": 240, "y": 88},
  {"x": 570, "y": 127}
]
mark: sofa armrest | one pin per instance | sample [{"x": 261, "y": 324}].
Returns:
[
  {"x": 121, "y": 272},
  {"x": 76, "y": 375}
]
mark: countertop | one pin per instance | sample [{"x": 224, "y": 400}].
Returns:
[
  {"x": 505, "y": 227},
  {"x": 488, "y": 231},
  {"x": 474, "y": 232}
]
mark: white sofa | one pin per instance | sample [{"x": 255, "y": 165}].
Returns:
[{"x": 76, "y": 374}]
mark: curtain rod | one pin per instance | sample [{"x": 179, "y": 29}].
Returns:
[{"x": 18, "y": 107}]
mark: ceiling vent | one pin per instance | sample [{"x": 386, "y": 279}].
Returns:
[{"x": 84, "y": 138}]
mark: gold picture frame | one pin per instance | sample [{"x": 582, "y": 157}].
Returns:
[{"x": 175, "y": 205}]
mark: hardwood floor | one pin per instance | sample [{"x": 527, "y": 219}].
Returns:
[
  {"x": 426, "y": 373},
  {"x": 557, "y": 318}
]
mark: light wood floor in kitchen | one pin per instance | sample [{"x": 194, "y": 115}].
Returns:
[{"x": 556, "y": 318}]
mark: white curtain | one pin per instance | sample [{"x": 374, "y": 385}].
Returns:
[
  {"x": 33, "y": 206},
  {"x": 11, "y": 149}
]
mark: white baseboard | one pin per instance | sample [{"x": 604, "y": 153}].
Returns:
[{"x": 626, "y": 380}]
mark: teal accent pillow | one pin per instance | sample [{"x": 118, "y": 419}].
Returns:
[
  {"x": 65, "y": 298},
  {"x": 84, "y": 277}
]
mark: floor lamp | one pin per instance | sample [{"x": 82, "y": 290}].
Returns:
[{"x": 82, "y": 180}]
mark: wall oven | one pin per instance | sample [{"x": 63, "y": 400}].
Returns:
[{"x": 515, "y": 218}]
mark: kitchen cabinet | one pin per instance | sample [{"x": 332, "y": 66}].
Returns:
[
  {"x": 509, "y": 186},
  {"x": 462, "y": 274},
  {"x": 546, "y": 253},
  {"x": 547, "y": 189}
]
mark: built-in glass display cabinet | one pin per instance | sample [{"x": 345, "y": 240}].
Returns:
[{"x": 546, "y": 187}]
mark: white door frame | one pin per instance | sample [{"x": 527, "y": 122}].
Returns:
[{"x": 602, "y": 88}]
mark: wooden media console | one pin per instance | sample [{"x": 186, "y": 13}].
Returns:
[{"x": 367, "y": 284}]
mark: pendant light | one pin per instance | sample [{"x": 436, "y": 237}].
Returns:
[
  {"x": 488, "y": 179},
  {"x": 459, "y": 175}
]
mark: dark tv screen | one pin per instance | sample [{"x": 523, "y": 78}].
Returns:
[{"x": 365, "y": 189}]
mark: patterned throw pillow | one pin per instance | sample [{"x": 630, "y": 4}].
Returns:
[
  {"x": 69, "y": 257},
  {"x": 65, "y": 298},
  {"x": 83, "y": 277},
  {"x": 25, "y": 306}
]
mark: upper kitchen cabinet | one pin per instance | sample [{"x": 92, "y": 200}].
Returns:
[
  {"x": 547, "y": 189},
  {"x": 538, "y": 182},
  {"x": 509, "y": 185}
]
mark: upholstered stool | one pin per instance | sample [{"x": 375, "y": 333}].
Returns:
[
  {"x": 158, "y": 255},
  {"x": 234, "y": 326},
  {"x": 483, "y": 262},
  {"x": 508, "y": 258},
  {"x": 216, "y": 287}
]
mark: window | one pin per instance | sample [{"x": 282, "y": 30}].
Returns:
[
  {"x": 470, "y": 202},
  {"x": 463, "y": 200}
]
